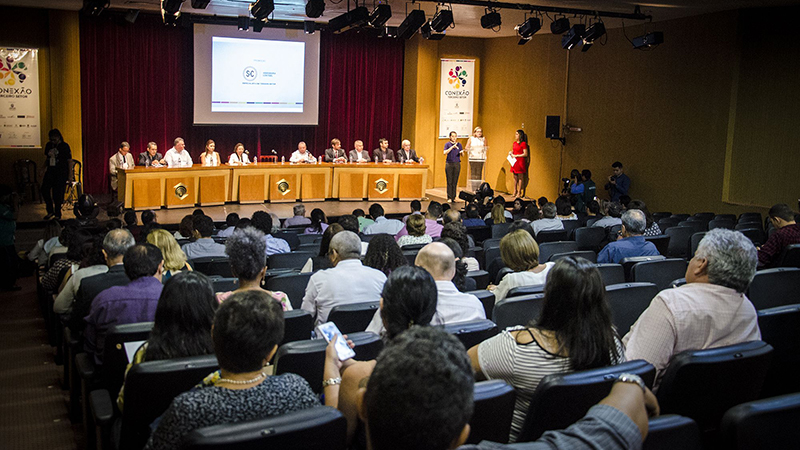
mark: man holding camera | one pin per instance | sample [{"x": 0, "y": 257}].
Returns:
[{"x": 618, "y": 183}]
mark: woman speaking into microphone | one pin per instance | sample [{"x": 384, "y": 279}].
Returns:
[{"x": 452, "y": 168}]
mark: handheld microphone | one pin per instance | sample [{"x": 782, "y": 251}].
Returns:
[{"x": 247, "y": 151}]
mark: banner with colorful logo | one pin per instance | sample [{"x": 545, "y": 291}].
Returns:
[
  {"x": 457, "y": 97},
  {"x": 19, "y": 98}
]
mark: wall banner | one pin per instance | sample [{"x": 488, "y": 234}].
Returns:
[
  {"x": 19, "y": 98},
  {"x": 457, "y": 97}
]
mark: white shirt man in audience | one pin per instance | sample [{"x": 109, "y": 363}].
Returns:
[
  {"x": 302, "y": 155},
  {"x": 178, "y": 156},
  {"x": 204, "y": 246},
  {"x": 359, "y": 155},
  {"x": 347, "y": 282},
  {"x": 299, "y": 218},
  {"x": 613, "y": 216},
  {"x": 432, "y": 227},
  {"x": 121, "y": 160},
  {"x": 710, "y": 310},
  {"x": 382, "y": 225},
  {"x": 632, "y": 243},
  {"x": 549, "y": 221}
]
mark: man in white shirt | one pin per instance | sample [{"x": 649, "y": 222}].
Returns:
[
  {"x": 382, "y": 225},
  {"x": 549, "y": 222},
  {"x": 121, "y": 160},
  {"x": 347, "y": 282},
  {"x": 359, "y": 155},
  {"x": 178, "y": 156},
  {"x": 710, "y": 310},
  {"x": 301, "y": 155}
]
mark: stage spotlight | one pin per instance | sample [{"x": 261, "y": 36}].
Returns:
[
  {"x": 427, "y": 33},
  {"x": 388, "y": 32},
  {"x": 171, "y": 7},
  {"x": 315, "y": 8},
  {"x": 349, "y": 20},
  {"x": 442, "y": 20},
  {"x": 649, "y": 40},
  {"x": 594, "y": 32},
  {"x": 131, "y": 16},
  {"x": 261, "y": 9},
  {"x": 412, "y": 22},
  {"x": 527, "y": 29},
  {"x": 573, "y": 36},
  {"x": 258, "y": 25},
  {"x": 95, "y": 7},
  {"x": 491, "y": 19},
  {"x": 244, "y": 23},
  {"x": 559, "y": 26},
  {"x": 380, "y": 15},
  {"x": 309, "y": 26},
  {"x": 200, "y": 4}
]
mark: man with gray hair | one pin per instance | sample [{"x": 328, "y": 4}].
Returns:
[
  {"x": 299, "y": 218},
  {"x": 549, "y": 221},
  {"x": 710, "y": 310},
  {"x": 347, "y": 282},
  {"x": 631, "y": 242}
]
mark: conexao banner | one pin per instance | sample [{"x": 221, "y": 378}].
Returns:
[
  {"x": 457, "y": 97},
  {"x": 19, "y": 98}
]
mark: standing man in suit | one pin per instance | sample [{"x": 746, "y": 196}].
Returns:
[
  {"x": 151, "y": 157},
  {"x": 359, "y": 155},
  {"x": 54, "y": 184},
  {"x": 121, "y": 160},
  {"x": 406, "y": 153},
  {"x": 383, "y": 153},
  {"x": 335, "y": 154}
]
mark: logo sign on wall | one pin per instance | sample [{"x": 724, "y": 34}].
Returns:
[
  {"x": 19, "y": 98},
  {"x": 457, "y": 97}
]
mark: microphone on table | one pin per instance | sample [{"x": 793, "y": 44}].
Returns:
[{"x": 274, "y": 152}]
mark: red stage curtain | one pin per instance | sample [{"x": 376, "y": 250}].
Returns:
[{"x": 137, "y": 86}]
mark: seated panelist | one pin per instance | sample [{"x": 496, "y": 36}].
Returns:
[
  {"x": 406, "y": 154},
  {"x": 239, "y": 156},
  {"x": 209, "y": 157},
  {"x": 121, "y": 160},
  {"x": 302, "y": 155},
  {"x": 178, "y": 156},
  {"x": 383, "y": 153},
  {"x": 151, "y": 157},
  {"x": 335, "y": 154},
  {"x": 359, "y": 155}
]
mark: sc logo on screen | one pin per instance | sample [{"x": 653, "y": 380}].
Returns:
[{"x": 250, "y": 73}]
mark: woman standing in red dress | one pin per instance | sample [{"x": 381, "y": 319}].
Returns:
[{"x": 519, "y": 150}]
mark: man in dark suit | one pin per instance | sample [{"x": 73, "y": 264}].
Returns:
[
  {"x": 383, "y": 153},
  {"x": 335, "y": 154},
  {"x": 151, "y": 157},
  {"x": 359, "y": 154},
  {"x": 406, "y": 153},
  {"x": 115, "y": 244}
]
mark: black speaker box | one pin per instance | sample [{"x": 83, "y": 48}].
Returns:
[{"x": 553, "y": 127}]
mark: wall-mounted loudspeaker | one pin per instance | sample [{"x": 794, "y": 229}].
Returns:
[{"x": 553, "y": 127}]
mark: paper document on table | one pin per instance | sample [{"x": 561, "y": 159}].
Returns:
[{"x": 512, "y": 159}]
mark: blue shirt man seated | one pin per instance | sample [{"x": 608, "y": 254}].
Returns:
[{"x": 632, "y": 242}]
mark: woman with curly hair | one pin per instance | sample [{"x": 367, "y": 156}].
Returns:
[{"x": 384, "y": 254}]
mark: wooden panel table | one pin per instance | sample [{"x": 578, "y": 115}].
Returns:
[
  {"x": 379, "y": 181},
  {"x": 149, "y": 187},
  {"x": 281, "y": 182}
]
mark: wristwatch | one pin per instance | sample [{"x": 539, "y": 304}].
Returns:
[{"x": 631, "y": 378}]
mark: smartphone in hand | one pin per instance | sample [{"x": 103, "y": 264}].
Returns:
[{"x": 328, "y": 331}]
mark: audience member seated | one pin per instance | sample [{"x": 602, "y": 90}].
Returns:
[
  {"x": 262, "y": 222},
  {"x": 532, "y": 213},
  {"x": 548, "y": 222},
  {"x": 50, "y": 235},
  {"x": 593, "y": 209},
  {"x": 363, "y": 221},
  {"x": 564, "y": 209},
  {"x": 247, "y": 330},
  {"x": 460, "y": 276},
  {"x": 149, "y": 223},
  {"x": 174, "y": 257},
  {"x": 415, "y": 226},
  {"x": 432, "y": 227},
  {"x": 245, "y": 249},
  {"x": 318, "y": 222},
  {"x": 473, "y": 218},
  {"x": 382, "y": 225},
  {"x": 132, "y": 223},
  {"x": 573, "y": 332},
  {"x": 518, "y": 209},
  {"x": 520, "y": 253},
  {"x": 182, "y": 325},
  {"x": 132, "y": 303},
  {"x": 350, "y": 223},
  {"x": 53, "y": 278},
  {"x": 185, "y": 228},
  {"x": 710, "y": 310},
  {"x": 416, "y": 208},
  {"x": 299, "y": 217},
  {"x": 115, "y": 244},
  {"x": 631, "y": 242},
  {"x": 384, "y": 254},
  {"x": 408, "y": 300},
  {"x": 612, "y": 217},
  {"x": 230, "y": 224},
  {"x": 349, "y": 281},
  {"x": 652, "y": 228},
  {"x": 497, "y": 215},
  {"x": 458, "y": 232},
  {"x": 204, "y": 246},
  {"x": 321, "y": 261},
  {"x": 93, "y": 262},
  {"x": 86, "y": 211},
  {"x": 499, "y": 200},
  {"x": 787, "y": 232}
]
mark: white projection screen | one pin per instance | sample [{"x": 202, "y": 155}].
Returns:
[{"x": 247, "y": 78}]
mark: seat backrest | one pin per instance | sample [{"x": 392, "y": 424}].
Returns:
[
  {"x": 510, "y": 312},
  {"x": 780, "y": 328},
  {"x": 668, "y": 222},
  {"x": 790, "y": 256},
  {"x": 292, "y": 284},
  {"x": 671, "y": 431},
  {"x": 774, "y": 287},
  {"x": 491, "y": 243},
  {"x": 628, "y": 301},
  {"x": 212, "y": 265},
  {"x": 115, "y": 354},
  {"x": 493, "y": 266},
  {"x": 473, "y": 332},
  {"x": 291, "y": 260},
  {"x": 661, "y": 215},
  {"x": 696, "y": 225},
  {"x": 491, "y": 253},
  {"x": 589, "y": 238},
  {"x": 413, "y": 247},
  {"x": 309, "y": 238},
  {"x": 525, "y": 290},
  {"x": 585, "y": 254},
  {"x": 611, "y": 273},
  {"x": 480, "y": 234},
  {"x": 753, "y": 216},
  {"x": 760, "y": 424},
  {"x": 298, "y": 325},
  {"x": 694, "y": 242},
  {"x": 703, "y": 384},
  {"x": 312, "y": 247},
  {"x": 494, "y": 409},
  {"x": 591, "y": 220},
  {"x": 224, "y": 284},
  {"x": 318, "y": 428},
  {"x": 562, "y": 399},
  {"x": 661, "y": 273},
  {"x": 290, "y": 236},
  {"x": 411, "y": 256},
  {"x": 731, "y": 217},
  {"x": 570, "y": 226},
  {"x": 679, "y": 217},
  {"x": 679, "y": 241},
  {"x": 481, "y": 278},
  {"x": 721, "y": 223},
  {"x": 551, "y": 236},
  {"x": 500, "y": 229},
  {"x": 548, "y": 249},
  {"x": 151, "y": 386},
  {"x": 353, "y": 317},
  {"x": 756, "y": 235},
  {"x": 628, "y": 263},
  {"x": 487, "y": 299}
]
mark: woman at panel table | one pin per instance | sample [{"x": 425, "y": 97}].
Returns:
[
  {"x": 238, "y": 157},
  {"x": 209, "y": 157}
]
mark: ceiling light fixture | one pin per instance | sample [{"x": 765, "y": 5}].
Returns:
[
  {"x": 261, "y": 9},
  {"x": 573, "y": 36},
  {"x": 380, "y": 15},
  {"x": 527, "y": 29},
  {"x": 593, "y": 33},
  {"x": 315, "y": 8},
  {"x": 442, "y": 20},
  {"x": 95, "y": 7},
  {"x": 412, "y": 23},
  {"x": 491, "y": 20},
  {"x": 559, "y": 26},
  {"x": 427, "y": 32},
  {"x": 349, "y": 20}
]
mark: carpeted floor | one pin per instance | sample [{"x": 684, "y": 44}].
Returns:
[{"x": 33, "y": 409}]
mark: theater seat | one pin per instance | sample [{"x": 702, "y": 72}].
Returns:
[
  {"x": 487, "y": 299},
  {"x": 589, "y": 238},
  {"x": 628, "y": 301},
  {"x": 494, "y": 409},
  {"x": 291, "y": 260},
  {"x": 353, "y": 317},
  {"x": 671, "y": 431},
  {"x": 224, "y": 284},
  {"x": 679, "y": 245},
  {"x": 780, "y": 328},
  {"x": 212, "y": 265},
  {"x": 790, "y": 257},
  {"x": 298, "y": 325},
  {"x": 755, "y": 234},
  {"x": 500, "y": 229},
  {"x": 562, "y": 399},
  {"x": 551, "y": 236},
  {"x": 627, "y": 263},
  {"x": 547, "y": 249},
  {"x": 694, "y": 242},
  {"x": 661, "y": 273},
  {"x": 770, "y": 423},
  {"x": 661, "y": 242},
  {"x": 292, "y": 284},
  {"x": 473, "y": 332},
  {"x": 721, "y": 223},
  {"x": 525, "y": 290},
  {"x": 319, "y": 428},
  {"x": 510, "y": 312},
  {"x": 611, "y": 273},
  {"x": 585, "y": 254},
  {"x": 775, "y": 287},
  {"x": 481, "y": 278}
]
